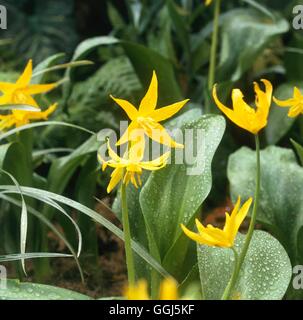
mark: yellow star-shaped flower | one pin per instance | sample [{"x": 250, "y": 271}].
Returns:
[
  {"x": 225, "y": 238},
  {"x": 147, "y": 117},
  {"x": 295, "y": 103},
  {"x": 130, "y": 167},
  {"x": 21, "y": 92}
]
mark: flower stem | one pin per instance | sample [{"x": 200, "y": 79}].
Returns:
[
  {"x": 233, "y": 278},
  {"x": 127, "y": 237},
  {"x": 253, "y": 217},
  {"x": 214, "y": 45}
]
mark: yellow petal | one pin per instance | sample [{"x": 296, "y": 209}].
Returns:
[
  {"x": 167, "y": 112},
  {"x": 149, "y": 102},
  {"x": 112, "y": 154},
  {"x": 201, "y": 239},
  {"x": 7, "y": 87},
  {"x": 116, "y": 177},
  {"x": 136, "y": 150},
  {"x": 295, "y": 110},
  {"x": 130, "y": 110},
  {"x": 131, "y": 133},
  {"x": 21, "y": 98},
  {"x": 227, "y": 111},
  {"x": 156, "y": 164},
  {"x": 241, "y": 215},
  {"x": 6, "y": 99},
  {"x": 283, "y": 103},
  {"x": 268, "y": 90},
  {"x": 39, "y": 88},
  {"x": 26, "y": 76},
  {"x": 159, "y": 134},
  {"x": 297, "y": 93},
  {"x": 168, "y": 290}
]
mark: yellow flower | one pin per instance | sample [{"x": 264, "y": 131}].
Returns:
[
  {"x": 21, "y": 92},
  {"x": 130, "y": 167},
  {"x": 225, "y": 238},
  {"x": 208, "y": 2},
  {"x": 21, "y": 117},
  {"x": 295, "y": 103},
  {"x": 244, "y": 116},
  {"x": 139, "y": 291},
  {"x": 147, "y": 117}
]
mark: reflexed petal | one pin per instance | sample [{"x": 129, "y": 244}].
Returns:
[
  {"x": 268, "y": 90},
  {"x": 113, "y": 154},
  {"x": 228, "y": 112},
  {"x": 26, "y": 76},
  {"x": 295, "y": 110},
  {"x": 137, "y": 148},
  {"x": 167, "y": 112},
  {"x": 116, "y": 177},
  {"x": 241, "y": 108},
  {"x": 130, "y": 110},
  {"x": 149, "y": 102},
  {"x": 158, "y": 133},
  {"x": 283, "y": 103},
  {"x": 156, "y": 163}
]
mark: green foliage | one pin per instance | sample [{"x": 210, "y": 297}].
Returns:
[
  {"x": 265, "y": 273},
  {"x": 281, "y": 200},
  {"x": 40, "y": 29}
]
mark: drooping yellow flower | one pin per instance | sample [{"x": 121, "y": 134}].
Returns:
[
  {"x": 139, "y": 291},
  {"x": 130, "y": 167},
  {"x": 21, "y": 117},
  {"x": 21, "y": 92},
  {"x": 295, "y": 103},
  {"x": 244, "y": 116},
  {"x": 225, "y": 238},
  {"x": 147, "y": 117}
]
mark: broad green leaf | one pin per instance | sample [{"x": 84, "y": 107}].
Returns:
[
  {"x": 174, "y": 194},
  {"x": 265, "y": 273},
  {"x": 281, "y": 197},
  {"x": 278, "y": 122},
  {"x": 32, "y": 291},
  {"x": 245, "y": 34}
]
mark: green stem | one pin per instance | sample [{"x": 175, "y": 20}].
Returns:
[
  {"x": 253, "y": 216},
  {"x": 234, "y": 277},
  {"x": 127, "y": 238},
  {"x": 214, "y": 45}
]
